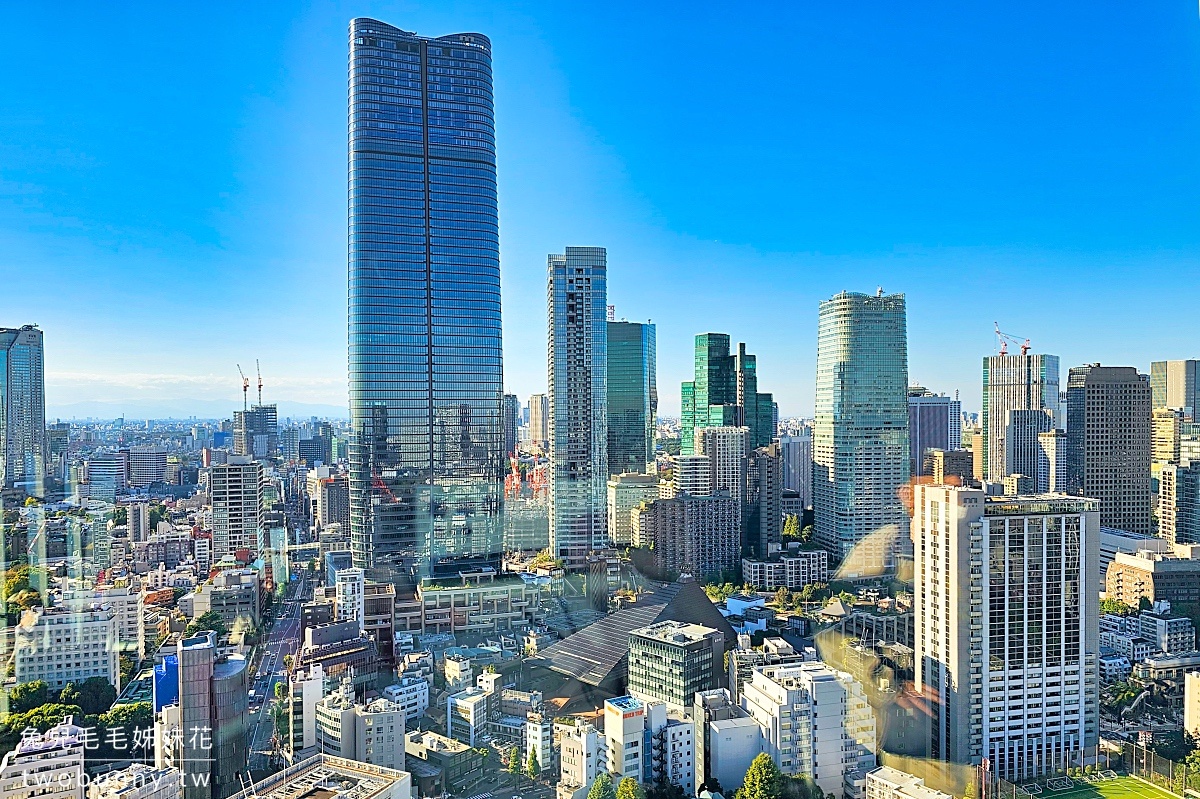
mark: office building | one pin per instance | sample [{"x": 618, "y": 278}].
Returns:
[
  {"x": 371, "y": 733},
  {"x": 727, "y": 739},
  {"x": 539, "y": 422},
  {"x": 582, "y": 755},
  {"x": 1173, "y": 575},
  {"x": 1108, "y": 443},
  {"x": 233, "y": 594},
  {"x": 67, "y": 644},
  {"x": 461, "y": 765},
  {"x": 137, "y": 516},
  {"x": 467, "y": 714},
  {"x": 147, "y": 465},
  {"x": 47, "y": 765},
  {"x": 1165, "y": 428},
  {"x": 670, "y": 661},
  {"x": 1179, "y": 503},
  {"x": 328, "y": 777},
  {"x": 696, "y": 535},
  {"x": 934, "y": 422},
  {"x": 1013, "y": 383},
  {"x": 1006, "y": 605},
  {"x": 632, "y": 397},
  {"x": 235, "y": 491},
  {"x": 512, "y": 421},
  {"x": 860, "y": 431},
  {"x": 1052, "y": 462},
  {"x": 1022, "y": 443},
  {"x": 350, "y": 589},
  {"x": 646, "y": 743},
  {"x": 796, "y": 451},
  {"x": 814, "y": 720},
  {"x": 577, "y": 367},
  {"x": 956, "y": 466},
  {"x": 213, "y": 698},
  {"x": 1173, "y": 385},
  {"x": 306, "y": 688},
  {"x": 22, "y": 409},
  {"x": 626, "y": 492},
  {"x": 724, "y": 393},
  {"x": 426, "y": 373}
]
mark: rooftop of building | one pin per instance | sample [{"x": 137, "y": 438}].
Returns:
[
  {"x": 906, "y": 784},
  {"x": 675, "y": 632},
  {"x": 325, "y": 777},
  {"x": 624, "y": 703},
  {"x": 435, "y": 742},
  {"x": 1030, "y": 504}
]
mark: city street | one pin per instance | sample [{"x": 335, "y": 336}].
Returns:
[{"x": 284, "y": 639}]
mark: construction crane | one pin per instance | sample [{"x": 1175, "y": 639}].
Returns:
[
  {"x": 1005, "y": 338},
  {"x": 245, "y": 389},
  {"x": 258, "y": 371}
]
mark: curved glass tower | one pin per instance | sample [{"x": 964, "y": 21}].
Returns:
[{"x": 426, "y": 377}]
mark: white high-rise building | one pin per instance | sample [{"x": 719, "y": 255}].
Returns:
[
  {"x": 726, "y": 449},
  {"x": 147, "y": 465},
  {"x": 577, "y": 367},
  {"x": 626, "y": 492},
  {"x": 235, "y": 490},
  {"x": 692, "y": 475},
  {"x": 1022, "y": 440},
  {"x": 67, "y": 644},
  {"x": 45, "y": 765},
  {"x": 860, "y": 429},
  {"x": 642, "y": 738},
  {"x": 814, "y": 720},
  {"x": 1052, "y": 462},
  {"x": 581, "y": 757},
  {"x": 350, "y": 590},
  {"x": 370, "y": 733},
  {"x": 1013, "y": 383},
  {"x": 797, "y": 464},
  {"x": 1006, "y": 602}
]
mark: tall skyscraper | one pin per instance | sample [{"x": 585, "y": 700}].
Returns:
[
  {"x": 724, "y": 393},
  {"x": 1006, "y": 605},
  {"x": 796, "y": 451},
  {"x": 1108, "y": 443},
  {"x": 1179, "y": 503},
  {"x": 1021, "y": 447},
  {"x": 860, "y": 429},
  {"x": 256, "y": 431},
  {"x": 212, "y": 712},
  {"x": 22, "y": 408},
  {"x": 235, "y": 490},
  {"x": 1173, "y": 384},
  {"x": 512, "y": 420},
  {"x": 577, "y": 367},
  {"x": 1013, "y": 383},
  {"x": 539, "y": 421},
  {"x": 632, "y": 396},
  {"x": 426, "y": 374},
  {"x": 934, "y": 422}
]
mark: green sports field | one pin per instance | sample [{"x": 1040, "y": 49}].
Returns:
[{"x": 1120, "y": 788}]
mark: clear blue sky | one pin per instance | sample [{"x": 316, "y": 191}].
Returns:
[{"x": 172, "y": 181}]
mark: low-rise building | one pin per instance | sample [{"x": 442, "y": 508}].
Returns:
[
  {"x": 889, "y": 783},
  {"x": 467, "y": 714},
  {"x": 581, "y": 758},
  {"x": 646, "y": 743},
  {"x": 461, "y": 765},
  {"x": 727, "y": 740},
  {"x": 670, "y": 661},
  {"x": 329, "y": 777},
  {"x": 792, "y": 570},
  {"x": 368, "y": 733},
  {"x": 1173, "y": 576},
  {"x": 232, "y": 593},
  {"x": 1166, "y": 667},
  {"x": 137, "y": 781},
  {"x": 478, "y": 602},
  {"x": 412, "y": 694},
  {"x": 1114, "y": 667}
]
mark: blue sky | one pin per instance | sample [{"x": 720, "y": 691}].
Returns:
[{"x": 172, "y": 181}]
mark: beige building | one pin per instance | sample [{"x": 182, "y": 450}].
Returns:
[
  {"x": 626, "y": 492},
  {"x": 1173, "y": 576},
  {"x": 1164, "y": 435}
]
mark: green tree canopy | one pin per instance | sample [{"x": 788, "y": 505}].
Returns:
[
  {"x": 95, "y": 695},
  {"x": 533, "y": 769},
  {"x": 763, "y": 780},
  {"x": 210, "y": 620},
  {"x": 629, "y": 788},
  {"x": 27, "y": 695},
  {"x": 602, "y": 787}
]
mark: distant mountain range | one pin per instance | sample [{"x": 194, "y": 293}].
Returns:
[{"x": 183, "y": 409}]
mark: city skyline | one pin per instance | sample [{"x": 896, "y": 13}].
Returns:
[{"x": 87, "y": 211}]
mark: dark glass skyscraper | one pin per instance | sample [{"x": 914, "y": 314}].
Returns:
[
  {"x": 426, "y": 377},
  {"x": 632, "y": 396},
  {"x": 724, "y": 394}
]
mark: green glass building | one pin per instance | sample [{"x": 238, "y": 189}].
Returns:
[
  {"x": 632, "y": 396},
  {"x": 724, "y": 394}
]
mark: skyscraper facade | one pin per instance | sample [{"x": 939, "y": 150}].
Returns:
[
  {"x": 22, "y": 408},
  {"x": 796, "y": 451},
  {"x": 512, "y": 420},
  {"x": 1013, "y": 383},
  {"x": 1108, "y": 443},
  {"x": 1173, "y": 384},
  {"x": 256, "y": 431},
  {"x": 934, "y": 422},
  {"x": 724, "y": 393},
  {"x": 426, "y": 374},
  {"x": 1007, "y": 639},
  {"x": 577, "y": 373},
  {"x": 860, "y": 429},
  {"x": 632, "y": 396},
  {"x": 539, "y": 422}
]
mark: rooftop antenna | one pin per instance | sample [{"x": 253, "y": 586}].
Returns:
[
  {"x": 259, "y": 372},
  {"x": 245, "y": 387}
]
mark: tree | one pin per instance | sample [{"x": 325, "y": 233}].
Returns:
[
  {"x": 513, "y": 764},
  {"x": 602, "y": 787},
  {"x": 1114, "y": 606},
  {"x": 1144, "y": 603},
  {"x": 26, "y": 696},
  {"x": 763, "y": 780},
  {"x": 287, "y": 662},
  {"x": 533, "y": 769},
  {"x": 95, "y": 695},
  {"x": 280, "y": 691},
  {"x": 210, "y": 620},
  {"x": 791, "y": 528},
  {"x": 629, "y": 788}
]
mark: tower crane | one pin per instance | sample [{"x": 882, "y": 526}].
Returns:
[
  {"x": 258, "y": 371},
  {"x": 245, "y": 388},
  {"x": 1005, "y": 338}
]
